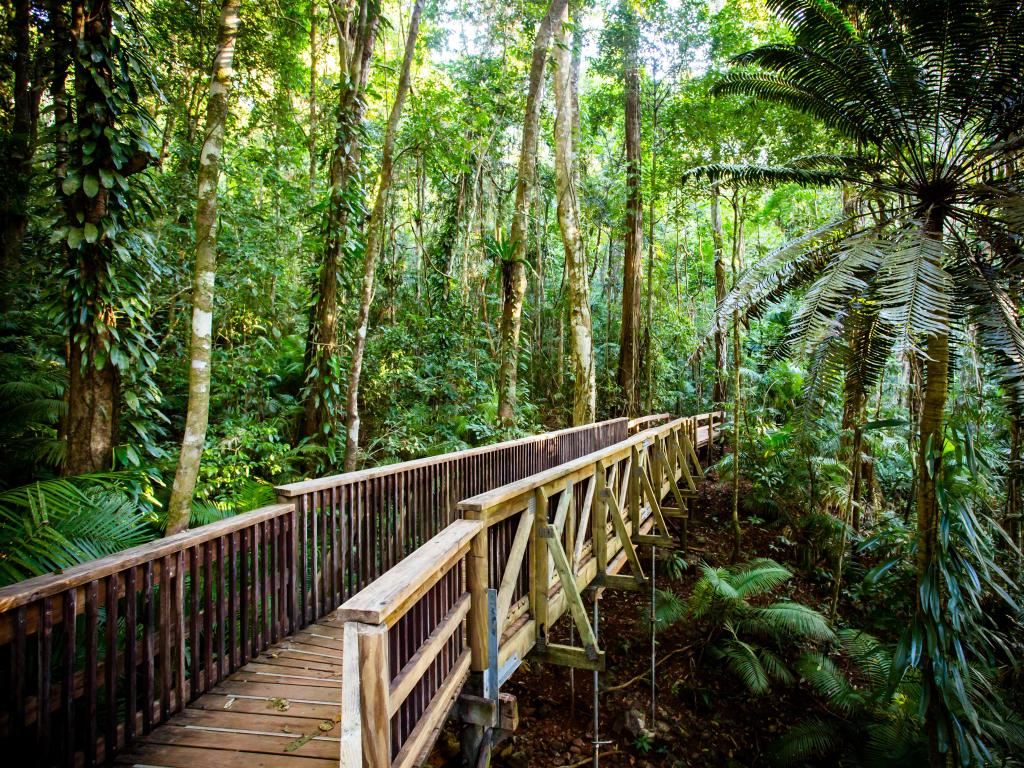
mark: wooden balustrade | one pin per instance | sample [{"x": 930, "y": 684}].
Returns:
[
  {"x": 355, "y": 526},
  {"x": 497, "y": 580},
  {"x": 551, "y": 535},
  {"x": 405, "y": 657},
  {"x": 101, "y": 652},
  {"x": 641, "y": 423}
]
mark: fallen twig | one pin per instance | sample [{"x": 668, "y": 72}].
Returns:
[
  {"x": 642, "y": 675},
  {"x": 589, "y": 760}
]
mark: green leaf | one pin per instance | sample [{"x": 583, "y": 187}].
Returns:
[
  {"x": 91, "y": 232},
  {"x": 70, "y": 185},
  {"x": 91, "y": 185}
]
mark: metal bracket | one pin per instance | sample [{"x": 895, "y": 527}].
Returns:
[{"x": 491, "y": 679}]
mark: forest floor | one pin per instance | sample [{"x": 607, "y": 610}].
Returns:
[{"x": 705, "y": 716}]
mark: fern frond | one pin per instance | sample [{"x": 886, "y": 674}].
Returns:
[
  {"x": 815, "y": 738},
  {"x": 915, "y": 288},
  {"x": 794, "y": 620},
  {"x": 742, "y": 660},
  {"x": 757, "y": 577}
]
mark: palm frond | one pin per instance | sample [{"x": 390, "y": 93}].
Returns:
[
  {"x": 762, "y": 175},
  {"x": 914, "y": 288},
  {"x": 757, "y": 577},
  {"x": 742, "y": 661},
  {"x": 795, "y": 620},
  {"x": 805, "y": 741}
]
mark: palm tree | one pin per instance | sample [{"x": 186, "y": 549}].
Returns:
[{"x": 930, "y": 93}]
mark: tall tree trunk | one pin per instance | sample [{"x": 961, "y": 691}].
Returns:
[
  {"x": 854, "y": 402},
  {"x": 718, "y": 392},
  {"x": 737, "y": 358},
  {"x": 581, "y": 331},
  {"x": 357, "y": 35},
  {"x": 513, "y": 277},
  {"x": 373, "y": 246},
  {"x": 628, "y": 349},
  {"x": 16, "y": 150},
  {"x": 312, "y": 94},
  {"x": 197, "y": 417},
  {"x": 929, "y": 472},
  {"x": 1013, "y": 480},
  {"x": 94, "y": 381}
]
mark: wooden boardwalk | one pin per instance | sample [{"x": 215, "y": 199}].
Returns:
[
  {"x": 223, "y": 646},
  {"x": 281, "y": 710}
]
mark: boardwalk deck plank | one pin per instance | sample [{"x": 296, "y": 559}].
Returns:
[{"x": 261, "y": 716}]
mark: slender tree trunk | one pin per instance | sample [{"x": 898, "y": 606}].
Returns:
[
  {"x": 312, "y": 94},
  {"x": 1013, "y": 484},
  {"x": 929, "y": 472},
  {"x": 718, "y": 392},
  {"x": 357, "y": 36},
  {"x": 197, "y": 417},
  {"x": 854, "y": 401},
  {"x": 628, "y": 351},
  {"x": 581, "y": 331},
  {"x": 513, "y": 279},
  {"x": 16, "y": 150},
  {"x": 373, "y": 246},
  {"x": 648, "y": 355},
  {"x": 737, "y": 405}
]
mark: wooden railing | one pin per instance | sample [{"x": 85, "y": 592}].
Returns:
[
  {"x": 641, "y": 423},
  {"x": 405, "y": 656},
  {"x": 355, "y": 526},
  {"x": 516, "y": 562},
  {"x": 93, "y": 656},
  {"x": 549, "y": 536}
]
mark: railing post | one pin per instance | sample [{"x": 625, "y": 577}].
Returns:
[
  {"x": 365, "y": 689},
  {"x": 540, "y": 579},
  {"x": 477, "y": 578},
  {"x": 599, "y": 518}
]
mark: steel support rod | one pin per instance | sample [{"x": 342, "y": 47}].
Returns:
[
  {"x": 597, "y": 681},
  {"x": 654, "y": 635}
]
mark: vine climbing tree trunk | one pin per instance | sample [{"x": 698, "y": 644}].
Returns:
[
  {"x": 628, "y": 373},
  {"x": 513, "y": 274},
  {"x": 357, "y": 32},
  {"x": 197, "y": 417},
  {"x": 374, "y": 239},
  {"x": 581, "y": 335},
  {"x": 103, "y": 146}
]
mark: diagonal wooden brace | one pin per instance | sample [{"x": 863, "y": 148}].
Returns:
[
  {"x": 572, "y": 593},
  {"x": 663, "y": 538},
  {"x": 620, "y": 530}
]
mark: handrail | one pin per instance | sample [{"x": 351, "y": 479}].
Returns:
[
  {"x": 348, "y": 478},
  {"x": 49, "y": 584},
  {"x": 405, "y": 658},
  {"x": 644, "y": 422},
  {"x": 550, "y": 535},
  {"x": 110, "y": 649},
  {"x": 355, "y": 526},
  {"x": 490, "y": 499},
  {"x": 533, "y": 544}
]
